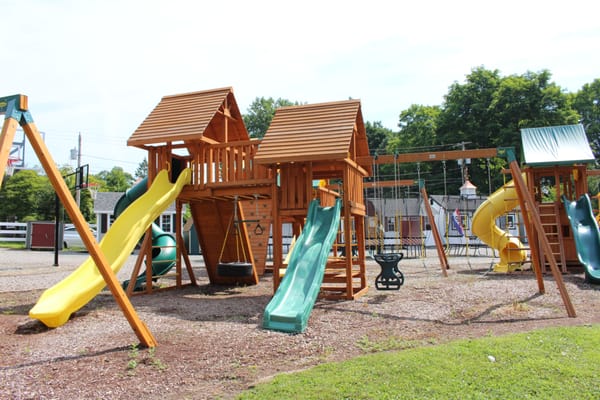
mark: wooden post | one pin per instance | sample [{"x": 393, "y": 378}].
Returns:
[
  {"x": 436, "y": 235},
  {"x": 6, "y": 138},
  {"x": 277, "y": 232},
  {"x": 178, "y": 242},
  {"x": 138, "y": 265},
  {"x": 347, "y": 206}
]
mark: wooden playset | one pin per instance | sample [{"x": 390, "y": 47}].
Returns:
[
  {"x": 241, "y": 191},
  {"x": 241, "y": 187}
]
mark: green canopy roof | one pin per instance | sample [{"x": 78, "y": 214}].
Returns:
[{"x": 556, "y": 145}]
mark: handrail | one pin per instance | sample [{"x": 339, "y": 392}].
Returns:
[{"x": 227, "y": 163}]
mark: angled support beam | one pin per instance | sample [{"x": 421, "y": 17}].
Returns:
[
  {"x": 525, "y": 197},
  {"x": 17, "y": 114},
  {"x": 436, "y": 235}
]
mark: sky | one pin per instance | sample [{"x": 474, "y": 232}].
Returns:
[{"x": 98, "y": 68}]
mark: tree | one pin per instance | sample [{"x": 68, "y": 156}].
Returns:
[
  {"x": 377, "y": 137},
  {"x": 418, "y": 129},
  {"x": 587, "y": 103},
  {"x": 261, "y": 112},
  {"x": 489, "y": 110},
  {"x": 417, "y": 133},
  {"x": 25, "y": 196},
  {"x": 142, "y": 169},
  {"x": 117, "y": 180}
]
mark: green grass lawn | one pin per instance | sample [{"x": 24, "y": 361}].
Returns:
[
  {"x": 12, "y": 245},
  {"x": 555, "y": 363}
]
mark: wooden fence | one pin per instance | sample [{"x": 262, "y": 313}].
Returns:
[{"x": 13, "y": 232}]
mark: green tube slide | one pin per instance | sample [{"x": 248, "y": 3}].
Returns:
[{"x": 163, "y": 244}]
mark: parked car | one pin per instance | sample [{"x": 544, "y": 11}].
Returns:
[{"x": 71, "y": 237}]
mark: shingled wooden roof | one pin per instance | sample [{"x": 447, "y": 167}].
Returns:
[
  {"x": 192, "y": 116},
  {"x": 326, "y": 131}
]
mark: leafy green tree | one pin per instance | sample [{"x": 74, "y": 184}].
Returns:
[
  {"x": 465, "y": 113},
  {"x": 115, "y": 180},
  {"x": 24, "y": 197},
  {"x": 261, "y": 112},
  {"x": 142, "y": 169},
  {"x": 418, "y": 129},
  {"x": 587, "y": 103},
  {"x": 417, "y": 133},
  {"x": 489, "y": 110},
  {"x": 377, "y": 137}
]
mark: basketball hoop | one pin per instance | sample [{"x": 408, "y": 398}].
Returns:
[
  {"x": 93, "y": 188},
  {"x": 10, "y": 165}
]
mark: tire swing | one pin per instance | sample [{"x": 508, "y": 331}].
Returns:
[{"x": 241, "y": 267}]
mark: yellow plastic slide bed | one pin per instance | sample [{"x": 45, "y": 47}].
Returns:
[{"x": 57, "y": 303}]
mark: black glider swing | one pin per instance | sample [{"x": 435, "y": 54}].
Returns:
[{"x": 390, "y": 277}]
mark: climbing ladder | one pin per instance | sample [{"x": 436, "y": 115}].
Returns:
[{"x": 550, "y": 219}]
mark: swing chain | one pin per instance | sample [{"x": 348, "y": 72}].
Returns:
[{"x": 258, "y": 230}]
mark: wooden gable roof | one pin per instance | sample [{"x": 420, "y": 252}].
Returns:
[
  {"x": 315, "y": 132},
  {"x": 211, "y": 114}
]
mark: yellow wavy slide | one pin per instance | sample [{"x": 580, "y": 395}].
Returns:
[
  {"x": 484, "y": 227},
  {"x": 57, "y": 303}
]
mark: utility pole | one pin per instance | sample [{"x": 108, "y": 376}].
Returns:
[
  {"x": 464, "y": 162},
  {"x": 77, "y": 189},
  {"x": 79, "y": 168}
]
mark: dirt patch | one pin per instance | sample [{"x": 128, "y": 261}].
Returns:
[{"x": 211, "y": 344}]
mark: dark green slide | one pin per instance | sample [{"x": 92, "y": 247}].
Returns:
[
  {"x": 290, "y": 307},
  {"x": 163, "y": 244},
  {"x": 163, "y": 257},
  {"x": 586, "y": 235}
]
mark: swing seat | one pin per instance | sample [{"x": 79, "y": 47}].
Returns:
[
  {"x": 235, "y": 268},
  {"x": 390, "y": 278}
]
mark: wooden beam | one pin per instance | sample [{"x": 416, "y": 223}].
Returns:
[
  {"x": 430, "y": 156},
  {"x": 399, "y": 182}
]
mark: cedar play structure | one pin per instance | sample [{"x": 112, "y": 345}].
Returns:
[
  {"x": 237, "y": 192},
  {"x": 553, "y": 157},
  {"x": 242, "y": 187}
]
